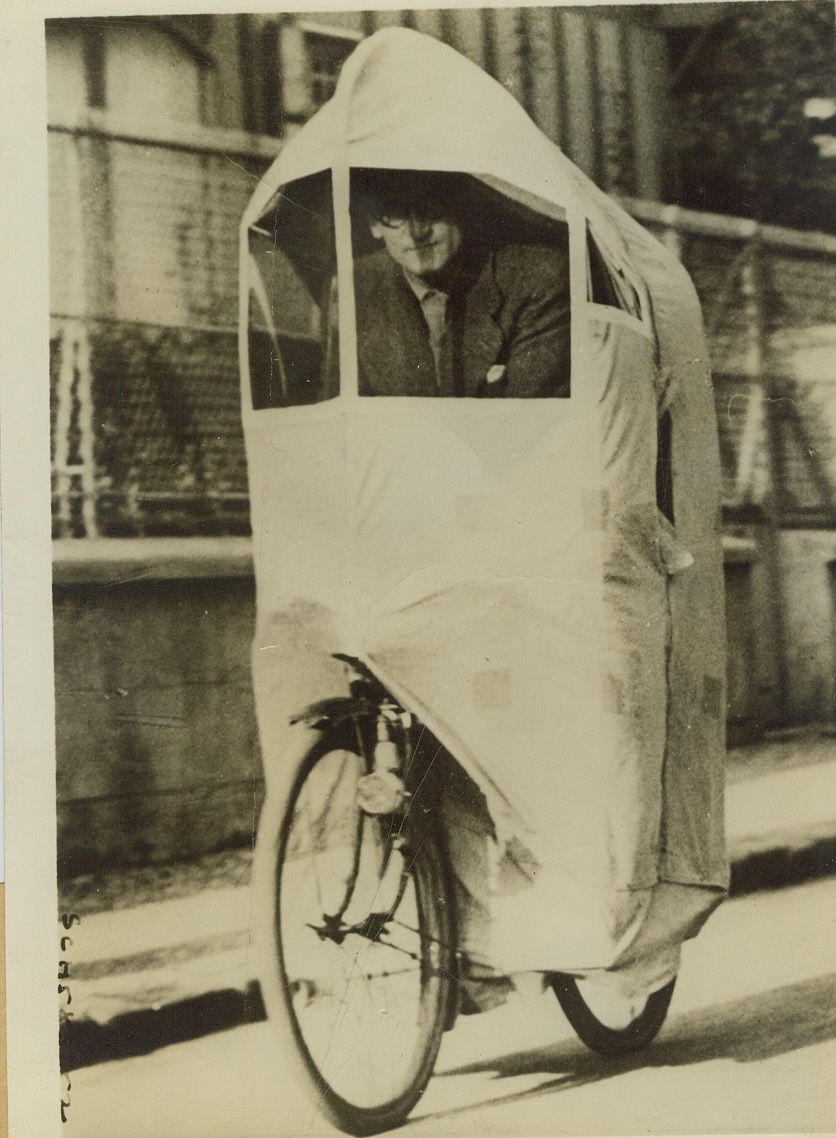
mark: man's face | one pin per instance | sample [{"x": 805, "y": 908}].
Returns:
[{"x": 420, "y": 231}]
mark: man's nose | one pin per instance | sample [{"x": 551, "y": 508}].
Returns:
[{"x": 417, "y": 223}]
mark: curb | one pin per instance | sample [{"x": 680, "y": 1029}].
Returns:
[
  {"x": 783, "y": 866},
  {"x": 84, "y": 1043}
]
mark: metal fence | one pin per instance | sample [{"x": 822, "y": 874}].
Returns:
[
  {"x": 146, "y": 435},
  {"x": 769, "y": 301}
]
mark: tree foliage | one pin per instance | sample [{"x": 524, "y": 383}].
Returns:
[{"x": 741, "y": 85}]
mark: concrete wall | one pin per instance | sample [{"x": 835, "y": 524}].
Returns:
[
  {"x": 808, "y": 561},
  {"x": 157, "y": 752},
  {"x": 780, "y": 630},
  {"x": 157, "y": 756},
  {"x": 754, "y": 631}
]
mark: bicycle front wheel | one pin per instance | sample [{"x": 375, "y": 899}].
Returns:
[{"x": 361, "y": 973}]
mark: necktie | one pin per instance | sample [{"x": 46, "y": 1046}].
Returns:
[{"x": 434, "y": 307}]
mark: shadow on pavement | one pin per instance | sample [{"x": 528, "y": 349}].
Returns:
[
  {"x": 757, "y": 1027},
  {"x": 83, "y": 1043},
  {"x": 783, "y": 866}
]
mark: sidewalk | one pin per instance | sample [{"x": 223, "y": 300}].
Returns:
[{"x": 161, "y": 954}]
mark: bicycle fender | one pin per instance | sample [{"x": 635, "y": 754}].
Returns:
[{"x": 331, "y": 712}]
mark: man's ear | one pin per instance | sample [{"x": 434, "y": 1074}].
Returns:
[{"x": 376, "y": 228}]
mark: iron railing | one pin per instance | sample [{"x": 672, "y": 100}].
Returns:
[{"x": 146, "y": 434}]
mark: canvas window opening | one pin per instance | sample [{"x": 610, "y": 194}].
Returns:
[
  {"x": 664, "y": 466},
  {"x": 326, "y": 51},
  {"x": 460, "y": 290},
  {"x": 505, "y": 328},
  {"x": 610, "y": 285},
  {"x": 293, "y": 333}
]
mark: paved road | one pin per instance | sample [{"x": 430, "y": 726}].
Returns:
[{"x": 750, "y": 1046}]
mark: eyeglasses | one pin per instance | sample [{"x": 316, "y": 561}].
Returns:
[{"x": 428, "y": 209}]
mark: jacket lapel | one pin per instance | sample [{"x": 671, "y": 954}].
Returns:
[
  {"x": 393, "y": 346},
  {"x": 483, "y": 343},
  {"x": 395, "y": 356}
]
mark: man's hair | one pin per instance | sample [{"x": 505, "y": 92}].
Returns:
[
  {"x": 375, "y": 191},
  {"x": 490, "y": 217}
]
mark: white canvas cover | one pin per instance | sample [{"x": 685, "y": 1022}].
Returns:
[{"x": 501, "y": 564}]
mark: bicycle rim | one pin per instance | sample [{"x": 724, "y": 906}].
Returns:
[
  {"x": 606, "y": 1040},
  {"x": 364, "y": 938}
]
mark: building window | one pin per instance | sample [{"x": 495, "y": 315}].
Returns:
[
  {"x": 126, "y": 66},
  {"x": 326, "y": 53},
  {"x": 144, "y": 209},
  {"x": 302, "y": 62},
  {"x": 151, "y": 76}
]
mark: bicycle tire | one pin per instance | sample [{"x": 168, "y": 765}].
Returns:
[
  {"x": 383, "y": 999},
  {"x": 606, "y": 1040}
]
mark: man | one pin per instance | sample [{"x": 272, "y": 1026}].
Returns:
[{"x": 458, "y": 299}]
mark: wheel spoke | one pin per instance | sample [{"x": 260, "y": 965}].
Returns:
[{"x": 359, "y": 932}]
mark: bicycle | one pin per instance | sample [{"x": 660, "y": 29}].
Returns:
[{"x": 362, "y": 973}]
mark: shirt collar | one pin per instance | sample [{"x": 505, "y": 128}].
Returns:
[
  {"x": 465, "y": 272},
  {"x": 419, "y": 287}
]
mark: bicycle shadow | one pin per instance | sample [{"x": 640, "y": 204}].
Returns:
[{"x": 748, "y": 1030}]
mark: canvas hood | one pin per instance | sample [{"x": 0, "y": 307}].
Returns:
[{"x": 539, "y": 580}]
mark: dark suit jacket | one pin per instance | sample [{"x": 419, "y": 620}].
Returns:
[{"x": 512, "y": 312}]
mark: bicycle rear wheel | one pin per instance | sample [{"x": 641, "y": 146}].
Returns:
[
  {"x": 360, "y": 976},
  {"x": 598, "y": 1036}
]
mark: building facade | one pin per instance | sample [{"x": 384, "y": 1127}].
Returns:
[{"x": 158, "y": 130}]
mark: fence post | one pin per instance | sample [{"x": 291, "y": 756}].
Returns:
[
  {"x": 74, "y": 442},
  {"x": 671, "y": 235},
  {"x": 74, "y": 457},
  {"x": 61, "y": 441},
  {"x": 752, "y": 288},
  {"x": 86, "y": 428}
]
